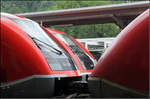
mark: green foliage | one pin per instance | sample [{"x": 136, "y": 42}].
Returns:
[
  {"x": 91, "y": 31},
  {"x": 46, "y": 5},
  {"x": 79, "y": 3},
  {"x": 22, "y": 6}
]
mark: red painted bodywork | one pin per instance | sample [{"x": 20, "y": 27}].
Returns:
[
  {"x": 67, "y": 49},
  {"x": 126, "y": 62},
  {"x": 20, "y": 57}
]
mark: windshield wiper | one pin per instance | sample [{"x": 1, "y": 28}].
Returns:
[{"x": 60, "y": 52}]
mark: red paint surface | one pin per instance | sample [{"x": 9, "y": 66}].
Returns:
[
  {"x": 20, "y": 56},
  {"x": 126, "y": 62}
]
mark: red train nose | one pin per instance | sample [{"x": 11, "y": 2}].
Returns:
[{"x": 123, "y": 70}]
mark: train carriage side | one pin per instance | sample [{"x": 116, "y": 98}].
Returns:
[{"x": 123, "y": 69}]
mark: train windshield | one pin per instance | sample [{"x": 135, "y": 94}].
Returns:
[
  {"x": 86, "y": 61},
  {"x": 56, "y": 57}
]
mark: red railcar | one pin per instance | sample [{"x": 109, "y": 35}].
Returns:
[
  {"x": 34, "y": 63},
  {"x": 123, "y": 70},
  {"x": 82, "y": 55}
]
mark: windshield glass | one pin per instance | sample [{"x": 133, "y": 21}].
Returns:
[
  {"x": 56, "y": 57},
  {"x": 55, "y": 60},
  {"x": 34, "y": 30},
  {"x": 86, "y": 61}
]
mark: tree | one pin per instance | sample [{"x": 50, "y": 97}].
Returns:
[{"x": 25, "y": 6}]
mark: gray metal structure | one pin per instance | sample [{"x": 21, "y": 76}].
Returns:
[
  {"x": 96, "y": 44},
  {"x": 121, "y": 14}
]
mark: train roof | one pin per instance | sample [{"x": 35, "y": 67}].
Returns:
[
  {"x": 12, "y": 16},
  {"x": 56, "y": 31}
]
